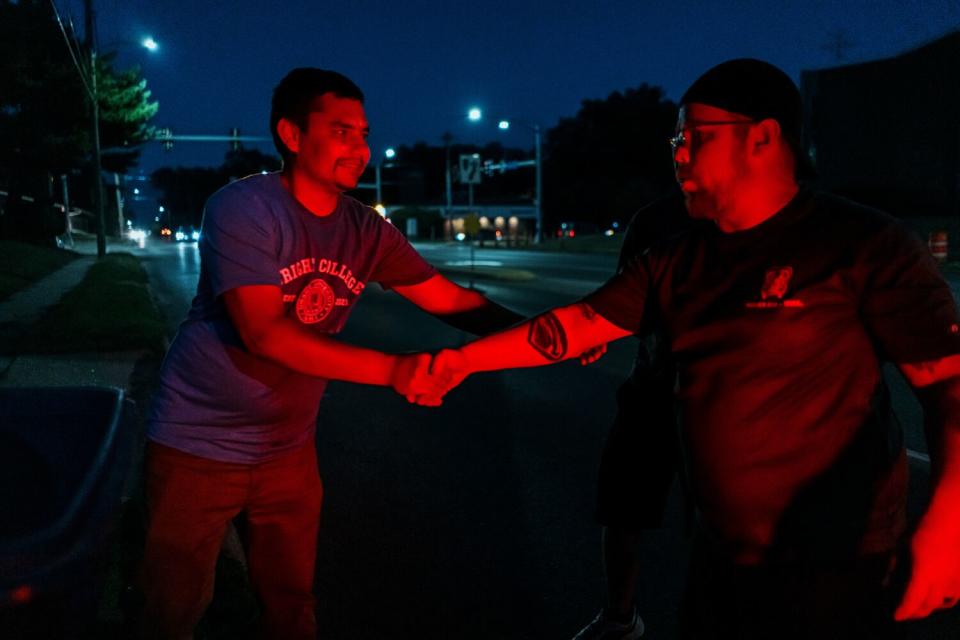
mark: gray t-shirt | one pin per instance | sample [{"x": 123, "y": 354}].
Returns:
[{"x": 215, "y": 399}]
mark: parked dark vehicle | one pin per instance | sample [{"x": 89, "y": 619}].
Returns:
[{"x": 64, "y": 457}]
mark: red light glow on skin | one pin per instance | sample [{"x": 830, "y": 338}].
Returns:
[
  {"x": 331, "y": 151},
  {"x": 21, "y": 595},
  {"x": 733, "y": 170}
]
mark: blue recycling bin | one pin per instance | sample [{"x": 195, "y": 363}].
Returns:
[{"x": 64, "y": 457}]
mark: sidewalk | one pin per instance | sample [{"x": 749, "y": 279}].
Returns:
[{"x": 71, "y": 369}]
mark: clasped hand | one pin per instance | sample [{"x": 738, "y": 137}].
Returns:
[{"x": 424, "y": 379}]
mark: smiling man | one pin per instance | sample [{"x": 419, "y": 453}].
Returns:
[
  {"x": 779, "y": 317},
  {"x": 284, "y": 258}
]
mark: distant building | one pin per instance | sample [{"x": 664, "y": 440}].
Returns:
[{"x": 887, "y": 132}]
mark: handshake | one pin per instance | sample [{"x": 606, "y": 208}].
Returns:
[{"x": 424, "y": 379}]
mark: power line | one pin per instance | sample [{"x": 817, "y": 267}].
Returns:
[{"x": 66, "y": 40}]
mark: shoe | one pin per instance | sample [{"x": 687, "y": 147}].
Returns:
[{"x": 603, "y": 628}]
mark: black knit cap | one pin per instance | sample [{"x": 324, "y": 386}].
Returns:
[{"x": 758, "y": 90}]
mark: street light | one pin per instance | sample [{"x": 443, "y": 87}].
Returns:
[
  {"x": 504, "y": 125},
  {"x": 150, "y": 44},
  {"x": 389, "y": 153}
]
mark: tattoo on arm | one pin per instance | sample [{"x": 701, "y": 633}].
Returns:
[
  {"x": 927, "y": 367},
  {"x": 547, "y": 336},
  {"x": 587, "y": 311}
]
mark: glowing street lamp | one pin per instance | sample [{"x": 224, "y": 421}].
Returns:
[
  {"x": 390, "y": 153},
  {"x": 150, "y": 44},
  {"x": 475, "y": 115}
]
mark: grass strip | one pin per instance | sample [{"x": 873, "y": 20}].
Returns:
[
  {"x": 110, "y": 310},
  {"x": 22, "y": 264}
]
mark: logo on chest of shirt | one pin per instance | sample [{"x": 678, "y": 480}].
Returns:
[
  {"x": 316, "y": 301},
  {"x": 776, "y": 284}
]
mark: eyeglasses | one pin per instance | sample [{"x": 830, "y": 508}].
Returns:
[{"x": 680, "y": 139}]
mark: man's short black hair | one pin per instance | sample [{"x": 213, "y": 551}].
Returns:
[{"x": 296, "y": 92}]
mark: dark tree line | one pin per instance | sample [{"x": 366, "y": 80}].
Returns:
[
  {"x": 610, "y": 159},
  {"x": 186, "y": 189},
  {"x": 599, "y": 166},
  {"x": 45, "y": 118}
]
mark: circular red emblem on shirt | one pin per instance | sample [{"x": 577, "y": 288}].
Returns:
[{"x": 315, "y": 302}]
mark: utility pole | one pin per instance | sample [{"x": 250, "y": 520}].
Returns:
[
  {"x": 447, "y": 139},
  {"x": 538, "y": 233},
  {"x": 90, "y": 33}
]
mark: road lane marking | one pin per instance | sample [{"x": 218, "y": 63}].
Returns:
[
  {"x": 916, "y": 455},
  {"x": 478, "y": 263}
]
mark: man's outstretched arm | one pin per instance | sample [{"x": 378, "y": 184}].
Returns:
[
  {"x": 258, "y": 315},
  {"x": 935, "y": 577},
  {"x": 557, "y": 335},
  {"x": 470, "y": 311},
  {"x": 461, "y": 308}
]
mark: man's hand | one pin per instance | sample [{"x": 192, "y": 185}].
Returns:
[
  {"x": 448, "y": 369},
  {"x": 935, "y": 577},
  {"x": 593, "y": 354},
  {"x": 411, "y": 378}
]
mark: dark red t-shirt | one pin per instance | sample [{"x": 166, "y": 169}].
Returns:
[{"x": 779, "y": 333}]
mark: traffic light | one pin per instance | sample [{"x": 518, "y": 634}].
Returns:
[{"x": 165, "y": 135}]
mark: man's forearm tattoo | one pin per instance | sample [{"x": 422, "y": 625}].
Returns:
[{"x": 547, "y": 336}]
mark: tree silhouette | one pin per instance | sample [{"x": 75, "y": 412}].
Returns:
[
  {"x": 610, "y": 159},
  {"x": 45, "y": 107}
]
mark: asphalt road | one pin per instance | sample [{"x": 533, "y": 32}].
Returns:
[{"x": 475, "y": 520}]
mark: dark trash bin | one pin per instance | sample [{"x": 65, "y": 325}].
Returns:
[{"x": 64, "y": 457}]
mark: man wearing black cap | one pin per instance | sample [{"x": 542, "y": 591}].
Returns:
[{"x": 779, "y": 316}]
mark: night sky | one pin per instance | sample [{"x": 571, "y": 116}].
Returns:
[{"x": 422, "y": 64}]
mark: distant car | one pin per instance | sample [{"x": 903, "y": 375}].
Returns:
[
  {"x": 493, "y": 236},
  {"x": 575, "y": 228},
  {"x": 186, "y": 235}
]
